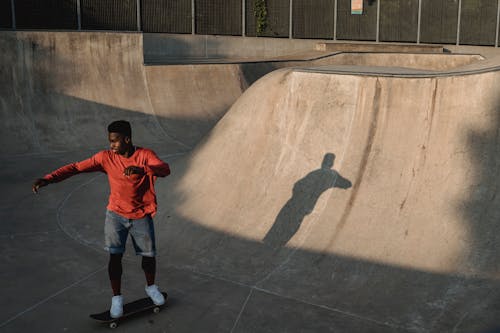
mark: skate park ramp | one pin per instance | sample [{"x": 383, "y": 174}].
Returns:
[{"x": 325, "y": 196}]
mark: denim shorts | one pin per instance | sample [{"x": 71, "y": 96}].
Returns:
[{"x": 142, "y": 231}]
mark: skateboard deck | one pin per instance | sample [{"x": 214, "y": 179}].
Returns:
[{"x": 130, "y": 309}]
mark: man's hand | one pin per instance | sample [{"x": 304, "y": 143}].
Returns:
[
  {"x": 133, "y": 170},
  {"x": 40, "y": 182}
]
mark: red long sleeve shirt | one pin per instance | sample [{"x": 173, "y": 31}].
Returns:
[{"x": 132, "y": 197}]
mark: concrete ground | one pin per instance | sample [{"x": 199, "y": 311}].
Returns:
[{"x": 328, "y": 192}]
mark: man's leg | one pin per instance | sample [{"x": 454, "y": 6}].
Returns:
[
  {"x": 149, "y": 268},
  {"x": 115, "y": 272},
  {"x": 115, "y": 236},
  {"x": 143, "y": 238},
  {"x": 115, "y": 277},
  {"x": 152, "y": 290}
]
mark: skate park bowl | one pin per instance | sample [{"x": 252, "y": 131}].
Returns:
[{"x": 323, "y": 190}]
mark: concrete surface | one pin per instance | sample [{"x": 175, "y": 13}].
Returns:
[
  {"x": 158, "y": 45},
  {"x": 322, "y": 197}
]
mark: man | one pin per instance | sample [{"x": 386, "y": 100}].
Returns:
[{"x": 131, "y": 172}]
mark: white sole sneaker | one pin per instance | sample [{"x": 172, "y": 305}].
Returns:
[
  {"x": 154, "y": 293},
  {"x": 116, "y": 310}
]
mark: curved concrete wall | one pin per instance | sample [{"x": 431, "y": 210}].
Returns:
[
  {"x": 403, "y": 220},
  {"x": 59, "y": 90}
]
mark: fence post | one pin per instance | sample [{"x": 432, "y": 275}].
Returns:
[
  {"x": 290, "y": 22},
  {"x": 13, "y": 10},
  {"x": 335, "y": 20},
  {"x": 193, "y": 18},
  {"x": 138, "y": 15},
  {"x": 243, "y": 18},
  {"x": 79, "y": 14},
  {"x": 377, "y": 39},
  {"x": 458, "y": 21},
  {"x": 498, "y": 23},
  {"x": 419, "y": 20}
]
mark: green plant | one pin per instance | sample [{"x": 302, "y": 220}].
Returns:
[{"x": 260, "y": 12}]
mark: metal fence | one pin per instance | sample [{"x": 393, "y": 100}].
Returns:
[{"x": 469, "y": 22}]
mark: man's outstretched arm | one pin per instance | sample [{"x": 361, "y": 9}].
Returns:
[
  {"x": 88, "y": 165},
  {"x": 156, "y": 167},
  {"x": 342, "y": 182}
]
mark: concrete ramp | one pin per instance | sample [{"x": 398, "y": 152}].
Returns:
[
  {"x": 317, "y": 199},
  {"x": 370, "y": 197},
  {"x": 60, "y": 89}
]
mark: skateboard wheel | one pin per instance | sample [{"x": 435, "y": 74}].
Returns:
[
  {"x": 156, "y": 310},
  {"x": 113, "y": 325}
]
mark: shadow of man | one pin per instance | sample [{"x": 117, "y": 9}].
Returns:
[{"x": 306, "y": 192}]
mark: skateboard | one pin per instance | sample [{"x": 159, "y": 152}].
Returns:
[{"x": 142, "y": 305}]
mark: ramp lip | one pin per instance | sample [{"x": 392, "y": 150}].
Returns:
[
  {"x": 229, "y": 61},
  {"x": 376, "y": 72},
  {"x": 282, "y": 59}
]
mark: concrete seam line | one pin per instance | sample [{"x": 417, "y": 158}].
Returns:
[
  {"x": 328, "y": 308},
  {"x": 8, "y": 321},
  {"x": 155, "y": 117},
  {"x": 457, "y": 325},
  {"x": 267, "y": 291},
  {"x": 242, "y": 309}
]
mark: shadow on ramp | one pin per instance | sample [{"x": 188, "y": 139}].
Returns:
[{"x": 306, "y": 192}]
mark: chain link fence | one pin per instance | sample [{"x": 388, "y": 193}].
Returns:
[
  {"x": 467, "y": 22},
  {"x": 166, "y": 16},
  {"x": 109, "y": 15},
  {"x": 399, "y": 21},
  {"x": 218, "y": 17},
  {"x": 313, "y": 19},
  {"x": 439, "y": 21}
]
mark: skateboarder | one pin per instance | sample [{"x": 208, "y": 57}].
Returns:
[{"x": 131, "y": 172}]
